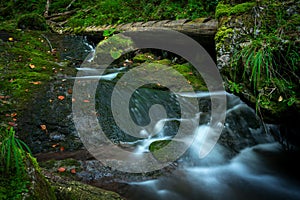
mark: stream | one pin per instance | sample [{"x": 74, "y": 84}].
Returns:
[{"x": 246, "y": 163}]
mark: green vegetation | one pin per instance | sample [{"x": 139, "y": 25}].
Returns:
[
  {"x": 13, "y": 153},
  {"x": 100, "y": 12},
  {"x": 13, "y": 167},
  {"x": 228, "y": 10},
  {"x": 32, "y": 21},
  {"x": 20, "y": 175},
  {"x": 264, "y": 54}
]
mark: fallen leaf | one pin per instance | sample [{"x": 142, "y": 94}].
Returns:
[
  {"x": 280, "y": 98},
  {"x": 62, "y": 148},
  {"x": 7, "y": 115},
  {"x": 14, "y": 119},
  {"x": 55, "y": 145},
  {"x": 13, "y": 114},
  {"x": 35, "y": 82},
  {"x": 43, "y": 127},
  {"x": 86, "y": 101},
  {"x": 32, "y": 66},
  {"x": 73, "y": 171},
  {"x": 70, "y": 91},
  {"x": 4, "y": 97},
  {"x": 12, "y": 124},
  {"x": 10, "y": 39},
  {"x": 73, "y": 99},
  {"x": 61, "y": 98},
  {"x": 61, "y": 169}
]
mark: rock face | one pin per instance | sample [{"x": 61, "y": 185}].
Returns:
[
  {"x": 39, "y": 187},
  {"x": 254, "y": 54},
  {"x": 76, "y": 190}
]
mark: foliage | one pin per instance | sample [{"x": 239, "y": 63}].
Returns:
[
  {"x": 228, "y": 10},
  {"x": 109, "y": 32},
  {"x": 32, "y": 21},
  {"x": 267, "y": 59},
  {"x": 12, "y": 154},
  {"x": 117, "y": 11}
]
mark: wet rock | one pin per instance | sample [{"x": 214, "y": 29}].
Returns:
[{"x": 57, "y": 136}]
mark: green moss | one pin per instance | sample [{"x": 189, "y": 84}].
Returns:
[
  {"x": 163, "y": 62},
  {"x": 154, "y": 146},
  {"x": 32, "y": 21},
  {"x": 222, "y": 10},
  {"x": 79, "y": 191},
  {"x": 143, "y": 57},
  {"x": 228, "y": 10},
  {"x": 223, "y": 34}
]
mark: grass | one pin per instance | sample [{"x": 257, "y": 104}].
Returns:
[
  {"x": 267, "y": 62},
  {"x": 13, "y": 152}
]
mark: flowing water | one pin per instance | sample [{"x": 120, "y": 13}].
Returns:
[{"x": 246, "y": 163}]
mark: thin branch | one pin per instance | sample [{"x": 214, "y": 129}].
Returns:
[
  {"x": 49, "y": 43},
  {"x": 70, "y": 4},
  {"x": 46, "y": 13},
  {"x": 61, "y": 14}
]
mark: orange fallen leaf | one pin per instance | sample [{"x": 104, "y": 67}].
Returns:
[
  {"x": 70, "y": 91},
  {"x": 14, "y": 119},
  {"x": 73, "y": 171},
  {"x": 61, "y": 98},
  {"x": 62, "y": 148},
  {"x": 55, "y": 145},
  {"x": 4, "y": 97},
  {"x": 32, "y": 66},
  {"x": 12, "y": 124},
  {"x": 13, "y": 114},
  {"x": 86, "y": 101},
  {"x": 43, "y": 127},
  {"x": 61, "y": 169},
  {"x": 36, "y": 82}
]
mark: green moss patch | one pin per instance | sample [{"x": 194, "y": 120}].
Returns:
[{"x": 228, "y": 10}]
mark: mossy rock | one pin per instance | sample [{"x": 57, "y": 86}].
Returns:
[
  {"x": 32, "y": 21},
  {"x": 144, "y": 57},
  {"x": 228, "y": 10},
  {"x": 79, "y": 191},
  {"x": 154, "y": 146},
  {"x": 29, "y": 186}
]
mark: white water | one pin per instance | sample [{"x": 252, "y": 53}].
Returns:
[
  {"x": 246, "y": 176},
  {"x": 257, "y": 172}
]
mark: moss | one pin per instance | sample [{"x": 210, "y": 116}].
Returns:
[
  {"x": 224, "y": 33},
  {"x": 32, "y": 21},
  {"x": 222, "y": 10},
  {"x": 154, "y": 146},
  {"x": 163, "y": 62},
  {"x": 40, "y": 187},
  {"x": 25, "y": 67},
  {"x": 79, "y": 191},
  {"x": 31, "y": 185},
  {"x": 228, "y": 10},
  {"x": 143, "y": 57},
  {"x": 112, "y": 48}
]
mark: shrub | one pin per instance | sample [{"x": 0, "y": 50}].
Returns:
[{"x": 32, "y": 21}]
